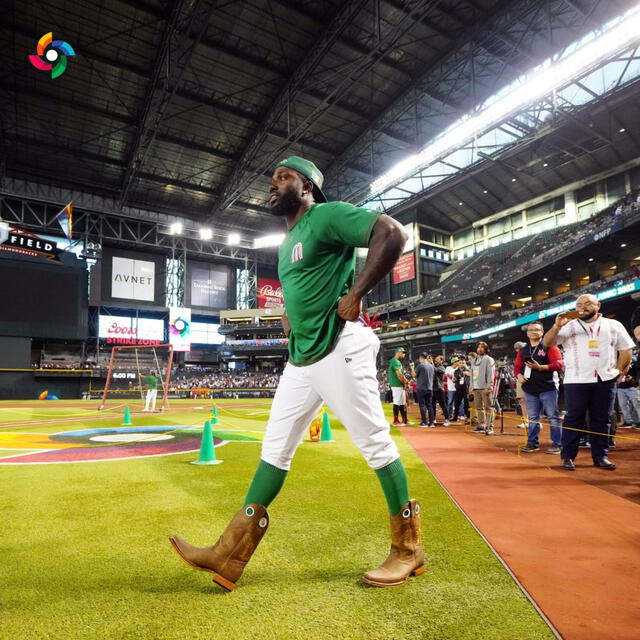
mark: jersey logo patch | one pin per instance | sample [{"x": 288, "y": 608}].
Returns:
[
  {"x": 348, "y": 360},
  {"x": 296, "y": 252}
]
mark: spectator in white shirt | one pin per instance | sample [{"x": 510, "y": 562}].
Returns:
[
  {"x": 597, "y": 351},
  {"x": 450, "y": 384}
]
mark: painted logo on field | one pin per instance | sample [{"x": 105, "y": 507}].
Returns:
[{"x": 117, "y": 443}]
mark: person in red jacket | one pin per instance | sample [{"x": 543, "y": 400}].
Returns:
[{"x": 536, "y": 368}]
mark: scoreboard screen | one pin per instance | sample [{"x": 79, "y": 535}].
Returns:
[{"x": 43, "y": 300}]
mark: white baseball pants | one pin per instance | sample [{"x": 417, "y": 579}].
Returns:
[
  {"x": 346, "y": 381},
  {"x": 398, "y": 395},
  {"x": 152, "y": 394}
]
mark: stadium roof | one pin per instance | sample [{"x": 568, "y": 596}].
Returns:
[{"x": 184, "y": 107}]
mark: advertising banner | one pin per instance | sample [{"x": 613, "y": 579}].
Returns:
[
  {"x": 269, "y": 293},
  {"x": 209, "y": 286},
  {"x": 132, "y": 279},
  {"x": 180, "y": 328},
  {"x": 405, "y": 268},
  {"x": 19, "y": 243},
  {"x": 129, "y": 330}
]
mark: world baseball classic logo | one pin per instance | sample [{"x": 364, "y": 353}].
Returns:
[{"x": 51, "y": 55}]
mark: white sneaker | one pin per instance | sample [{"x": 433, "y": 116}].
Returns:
[
  {"x": 446, "y": 423},
  {"x": 408, "y": 424}
]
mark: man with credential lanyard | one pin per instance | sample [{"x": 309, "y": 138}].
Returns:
[{"x": 597, "y": 351}]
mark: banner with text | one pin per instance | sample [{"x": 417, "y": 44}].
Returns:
[
  {"x": 129, "y": 330},
  {"x": 180, "y": 328},
  {"x": 132, "y": 279},
  {"x": 405, "y": 268},
  {"x": 19, "y": 243},
  {"x": 269, "y": 293},
  {"x": 209, "y": 285}
]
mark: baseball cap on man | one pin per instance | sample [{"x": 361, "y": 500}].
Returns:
[
  {"x": 309, "y": 171},
  {"x": 401, "y": 350},
  {"x": 454, "y": 360}
]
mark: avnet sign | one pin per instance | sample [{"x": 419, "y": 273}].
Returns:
[{"x": 132, "y": 279}]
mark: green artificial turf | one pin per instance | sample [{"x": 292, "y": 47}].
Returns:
[{"x": 85, "y": 550}]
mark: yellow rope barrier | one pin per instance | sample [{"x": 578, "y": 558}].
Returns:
[{"x": 580, "y": 429}]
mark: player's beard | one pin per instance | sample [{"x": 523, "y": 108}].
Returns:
[
  {"x": 588, "y": 316},
  {"x": 287, "y": 203}
]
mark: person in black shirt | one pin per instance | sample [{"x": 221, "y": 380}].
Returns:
[
  {"x": 460, "y": 397},
  {"x": 536, "y": 368},
  {"x": 629, "y": 397},
  {"x": 424, "y": 374},
  {"x": 438, "y": 389},
  {"x": 635, "y": 324}
]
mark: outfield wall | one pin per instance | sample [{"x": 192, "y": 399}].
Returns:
[{"x": 27, "y": 385}]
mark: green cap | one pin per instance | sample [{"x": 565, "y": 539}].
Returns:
[
  {"x": 401, "y": 350},
  {"x": 308, "y": 170},
  {"x": 454, "y": 360}
]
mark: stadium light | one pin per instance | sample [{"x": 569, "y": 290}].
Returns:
[
  {"x": 233, "y": 239},
  {"x": 206, "y": 234},
  {"x": 574, "y": 62},
  {"x": 274, "y": 240},
  {"x": 175, "y": 228}
]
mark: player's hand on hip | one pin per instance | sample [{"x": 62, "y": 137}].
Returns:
[{"x": 349, "y": 307}]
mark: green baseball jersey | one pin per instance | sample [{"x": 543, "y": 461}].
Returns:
[
  {"x": 316, "y": 266},
  {"x": 394, "y": 366},
  {"x": 151, "y": 382}
]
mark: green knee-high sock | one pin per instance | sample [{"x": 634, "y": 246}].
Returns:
[
  {"x": 266, "y": 484},
  {"x": 393, "y": 479}
]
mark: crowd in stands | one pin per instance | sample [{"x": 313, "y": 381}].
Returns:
[
  {"x": 226, "y": 380},
  {"x": 488, "y": 320},
  {"x": 495, "y": 267}
]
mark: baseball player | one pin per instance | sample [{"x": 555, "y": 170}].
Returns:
[
  {"x": 151, "y": 382},
  {"x": 399, "y": 385},
  {"x": 332, "y": 360}
]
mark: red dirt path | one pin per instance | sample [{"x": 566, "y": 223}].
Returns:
[{"x": 574, "y": 547}]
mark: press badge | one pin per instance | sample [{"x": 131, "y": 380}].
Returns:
[
  {"x": 594, "y": 344},
  {"x": 527, "y": 372}
]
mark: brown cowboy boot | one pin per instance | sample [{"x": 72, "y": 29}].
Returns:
[
  {"x": 406, "y": 557},
  {"x": 227, "y": 558}
]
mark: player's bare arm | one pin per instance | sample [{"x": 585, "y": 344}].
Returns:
[
  {"x": 286, "y": 327},
  {"x": 624, "y": 361},
  {"x": 385, "y": 247}
]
